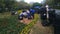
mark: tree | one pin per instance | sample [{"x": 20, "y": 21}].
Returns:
[
  {"x": 53, "y": 3},
  {"x": 7, "y": 4},
  {"x": 36, "y": 4},
  {"x": 23, "y": 5},
  {"x": 11, "y": 4}
]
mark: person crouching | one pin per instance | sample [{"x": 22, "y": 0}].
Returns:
[{"x": 29, "y": 15}]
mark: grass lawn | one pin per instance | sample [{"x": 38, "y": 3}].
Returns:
[{"x": 9, "y": 24}]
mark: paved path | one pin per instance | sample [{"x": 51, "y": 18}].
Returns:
[{"x": 39, "y": 29}]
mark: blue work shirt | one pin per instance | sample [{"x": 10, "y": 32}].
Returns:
[{"x": 32, "y": 11}]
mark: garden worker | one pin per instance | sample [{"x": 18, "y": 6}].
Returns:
[
  {"x": 24, "y": 13},
  {"x": 29, "y": 15},
  {"x": 20, "y": 17},
  {"x": 32, "y": 11}
]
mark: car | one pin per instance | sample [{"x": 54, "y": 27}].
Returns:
[{"x": 47, "y": 21}]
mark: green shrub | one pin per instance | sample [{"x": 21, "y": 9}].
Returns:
[{"x": 10, "y": 25}]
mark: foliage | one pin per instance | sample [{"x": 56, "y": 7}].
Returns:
[
  {"x": 19, "y": 11},
  {"x": 36, "y": 4},
  {"x": 6, "y": 5},
  {"x": 23, "y": 5},
  {"x": 12, "y": 5},
  {"x": 53, "y": 3},
  {"x": 10, "y": 25}
]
